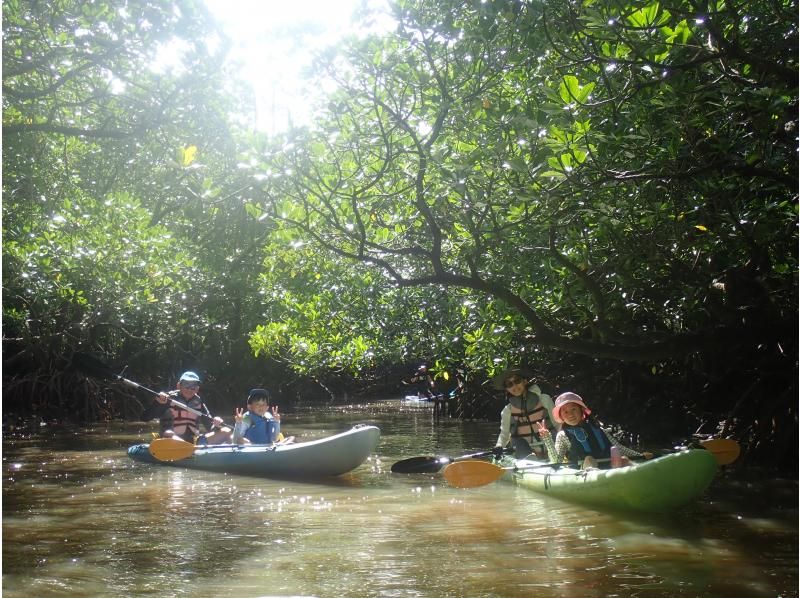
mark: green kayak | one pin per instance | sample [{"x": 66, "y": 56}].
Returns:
[{"x": 659, "y": 485}]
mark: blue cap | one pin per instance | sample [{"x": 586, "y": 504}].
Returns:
[{"x": 189, "y": 377}]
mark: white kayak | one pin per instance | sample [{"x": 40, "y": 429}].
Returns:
[{"x": 330, "y": 456}]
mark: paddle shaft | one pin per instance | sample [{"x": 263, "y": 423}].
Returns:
[
  {"x": 183, "y": 406},
  {"x": 433, "y": 464}
]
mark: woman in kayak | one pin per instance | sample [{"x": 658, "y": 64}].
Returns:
[
  {"x": 261, "y": 424},
  {"x": 528, "y": 408},
  {"x": 581, "y": 439}
]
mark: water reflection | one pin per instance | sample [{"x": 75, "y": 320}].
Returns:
[{"x": 80, "y": 518}]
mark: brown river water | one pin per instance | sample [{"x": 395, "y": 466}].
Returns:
[{"x": 82, "y": 519}]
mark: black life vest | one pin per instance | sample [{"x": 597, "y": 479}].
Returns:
[{"x": 587, "y": 439}]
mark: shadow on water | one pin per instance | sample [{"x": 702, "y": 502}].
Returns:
[{"x": 81, "y": 518}]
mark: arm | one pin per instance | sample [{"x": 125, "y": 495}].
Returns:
[
  {"x": 624, "y": 450},
  {"x": 276, "y": 418},
  {"x": 240, "y": 427},
  {"x": 547, "y": 439},
  {"x": 561, "y": 448},
  {"x": 505, "y": 427},
  {"x": 207, "y": 420},
  {"x": 547, "y": 403}
]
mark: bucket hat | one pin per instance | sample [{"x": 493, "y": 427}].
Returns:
[
  {"x": 563, "y": 399},
  {"x": 499, "y": 381}
]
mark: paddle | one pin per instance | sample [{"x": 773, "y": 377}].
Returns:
[
  {"x": 470, "y": 474},
  {"x": 176, "y": 449},
  {"x": 433, "y": 464},
  {"x": 171, "y": 449},
  {"x": 725, "y": 450}
]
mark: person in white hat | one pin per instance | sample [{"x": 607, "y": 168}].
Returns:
[
  {"x": 178, "y": 422},
  {"x": 583, "y": 440}
]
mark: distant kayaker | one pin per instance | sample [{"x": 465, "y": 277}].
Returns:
[
  {"x": 581, "y": 439},
  {"x": 181, "y": 423},
  {"x": 527, "y": 406},
  {"x": 261, "y": 424},
  {"x": 422, "y": 379}
]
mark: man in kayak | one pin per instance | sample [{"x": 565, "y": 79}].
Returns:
[
  {"x": 581, "y": 439},
  {"x": 261, "y": 424},
  {"x": 527, "y": 407},
  {"x": 179, "y": 422}
]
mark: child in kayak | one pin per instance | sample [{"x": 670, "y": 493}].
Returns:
[
  {"x": 261, "y": 424},
  {"x": 527, "y": 409},
  {"x": 581, "y": 439}
]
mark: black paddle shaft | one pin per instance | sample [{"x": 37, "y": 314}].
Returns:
[{"x": 433, "y": 464}]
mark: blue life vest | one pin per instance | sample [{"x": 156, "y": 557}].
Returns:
[
  {"x": 261, "y": 430},
  {"x": 585, "y": 439}
]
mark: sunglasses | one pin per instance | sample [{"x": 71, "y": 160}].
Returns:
[
  {"x": 190, "y": 386},
  {"x": 513, "y": 382}
]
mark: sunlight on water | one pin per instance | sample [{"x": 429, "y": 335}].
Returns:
[{"x": 81, "y": 518}]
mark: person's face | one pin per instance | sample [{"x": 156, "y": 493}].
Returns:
[
  {"x": 515, "y": 385},
  {"x": 572, "y": 414},
  {"x": 188, "y": 389},
  {"x": 258, "y": 407}
]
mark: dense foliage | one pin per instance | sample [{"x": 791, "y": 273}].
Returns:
[
  {"x": 609, "y": 180},
  {"x": 603, "y": 190}
]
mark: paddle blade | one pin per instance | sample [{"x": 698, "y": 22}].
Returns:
[
  {"x": 469, "y": 474},
  {"x": 171, "y": 449},
  {"x": 725, "y": 450},
  {"x": 420, "y": 465}
]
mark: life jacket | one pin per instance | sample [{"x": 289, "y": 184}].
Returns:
[
  {"x": 526, "y": 412},
  {"x": 260, "y": 430},
  {"x": 184, "y": 423},
  {"x": 585, "y": 439}
]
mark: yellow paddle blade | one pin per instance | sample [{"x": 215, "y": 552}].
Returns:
[
  {"x": 469, "y": 474},
  {"x": 171, "y": 449},
  {"x": 725, "y": 450}
]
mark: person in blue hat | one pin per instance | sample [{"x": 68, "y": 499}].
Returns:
[{"x": 179, "y": 422}]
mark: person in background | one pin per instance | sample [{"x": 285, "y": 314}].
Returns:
[
  {"x": 581, "y": 439},
  {"x": 426, "y": 386},
  {"x": 261, "y": 424},
  {"x": 180, "y": 423},
  {"x": 527, "y": 406}
]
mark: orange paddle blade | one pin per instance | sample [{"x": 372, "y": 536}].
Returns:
[
  {"x": 725, "y": 450},
  {"x": 171, "y": 449},
  {"x": 469, "y": 474}
]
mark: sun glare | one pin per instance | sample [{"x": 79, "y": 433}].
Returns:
[{"x": 274, "y": 41}]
